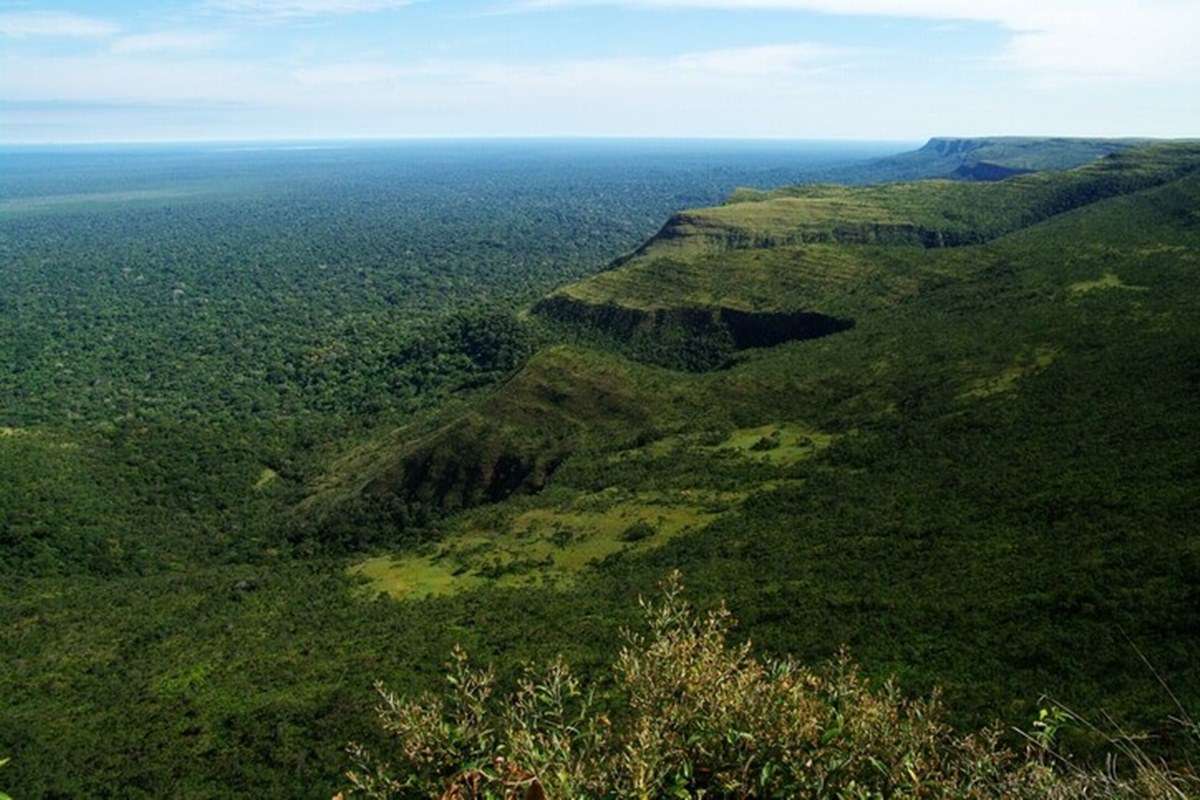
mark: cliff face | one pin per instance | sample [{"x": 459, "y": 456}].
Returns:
[
  {"x": 801, "y": 262},
  {"x": 792, "y": 264},
  {"x": 948, "y": 146},
  {"x": 1020, "y": 153},
  {"x": 744, "y": 328},
  {"x": 697, "y": 232},
  {"x": 986, "y": 171}
]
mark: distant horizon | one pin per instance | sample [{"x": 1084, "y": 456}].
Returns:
[
  {"x": 519, "y": 138},
  {"x": 399, "y": 139}
]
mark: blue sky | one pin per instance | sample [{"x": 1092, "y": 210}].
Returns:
[{"x": 127, "y": 70}]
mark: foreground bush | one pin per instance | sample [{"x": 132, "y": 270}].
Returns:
[{"x": 689, "y": 715}]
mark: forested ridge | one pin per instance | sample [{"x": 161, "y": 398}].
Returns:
[
  {"x": 185, "y": 319},
  {"x": 276, "y": 428}
]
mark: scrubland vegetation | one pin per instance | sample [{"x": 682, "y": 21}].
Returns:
[{"x": 685, "y": 712}]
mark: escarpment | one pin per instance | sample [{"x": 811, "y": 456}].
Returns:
[
  {"x": 510, "y": 442},
  {"x": 821, "y": 243},
  {"x": 691, "y": 232},
  {"x": 745, "y": 328},
  {"x": 791, "y": 265},
  {"x": 696, "y": 232}
]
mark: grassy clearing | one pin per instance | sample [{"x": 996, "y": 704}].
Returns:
[
  {"x": 779, "y": 444},
  {"x": 266, "y": 478},
  {"x": 543, "y": 545},
  {"x": 1109, "y": 280},
  {"x": 410, "y": 577},
  {"x": 1006, "y": 381},
  {"x": 558, "y": 536},
  {"x": 776, "y": 444}
]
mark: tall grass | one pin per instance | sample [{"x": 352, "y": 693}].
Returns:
[{"x": 690, "y": 715}]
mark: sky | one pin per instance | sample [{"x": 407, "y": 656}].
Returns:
[{"x": 175, "y": 70}]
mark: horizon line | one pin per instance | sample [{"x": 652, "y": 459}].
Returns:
[
  {"x": 263, "y": 140},
  {"x": 482, "y": 137}
]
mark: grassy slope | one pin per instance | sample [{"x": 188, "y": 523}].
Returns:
[
  {"x": 947, "y": 157},
  {"x": 998, "y": 485},
  {"x": 1004, "y": 489},
  {"x": 753, "y": 253}
]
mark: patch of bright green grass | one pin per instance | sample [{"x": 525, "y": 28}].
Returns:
[
  {"x": 778, "y": 443},
  {"x": 266, "y": 478},
  {"x": 411, "y": 577},
  {"x": 543, "y": 545},
  {"x": 1022, "y": 367},
  {"x": 1109, "y": 280}
]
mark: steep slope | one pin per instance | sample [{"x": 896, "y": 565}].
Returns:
[
  {"x": 984, "y": 158},
  {"x": 563, "y": 400},
  {"x": 707, "y": 279},
  {"x": 987, "y": 483},
  {"x": 803, "y": 262}
]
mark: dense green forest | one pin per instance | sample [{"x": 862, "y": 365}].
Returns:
[
  {"x": 179, "y": 323},
  {"x": 287, "y": 427},
  {"x": 188, "y": 335}
]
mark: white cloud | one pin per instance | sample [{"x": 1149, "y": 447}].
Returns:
[
  {"x": 138, "y": 79},
  {"x": 574, "y": 75},
  {"x": 288, "y": 9},
  {"x": 1054, "y": 39},
  {"x": 20, "y": 24},
  {"x": 168, "y": 41},
  {"x": 441, "y": 96},
  {"x": 1124, "y": 41},
  {"x": 796, "y": 89}
]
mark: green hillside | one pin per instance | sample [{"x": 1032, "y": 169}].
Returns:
[
  {"x": 709, "y": 257},
  {"x": 986, "y": 482},
  {"x": 983, "y": 158},
  {"x": 807, "y": 261},
  {"x": 948, "y": 424}
]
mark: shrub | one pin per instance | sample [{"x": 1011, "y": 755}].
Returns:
[
  {"x": 692, "y": 716},
  {"x": 638, "y": 531},
  {"x": 767, "y": 442}
]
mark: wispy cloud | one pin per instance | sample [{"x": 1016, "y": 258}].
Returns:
[
  {"x": 761, "y": 60},
  {"x": 336, "y": 78},
  {"x": 292, "y": 9},
  {"x": 729, "y": 78},
  {"x": 21, "y": 24},
  {"x": 1055, "y": 39},
  {"x": 132, "y": 78},
  {"x": 169, "y": 42},
  {"x": 795, "y": 59}
]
